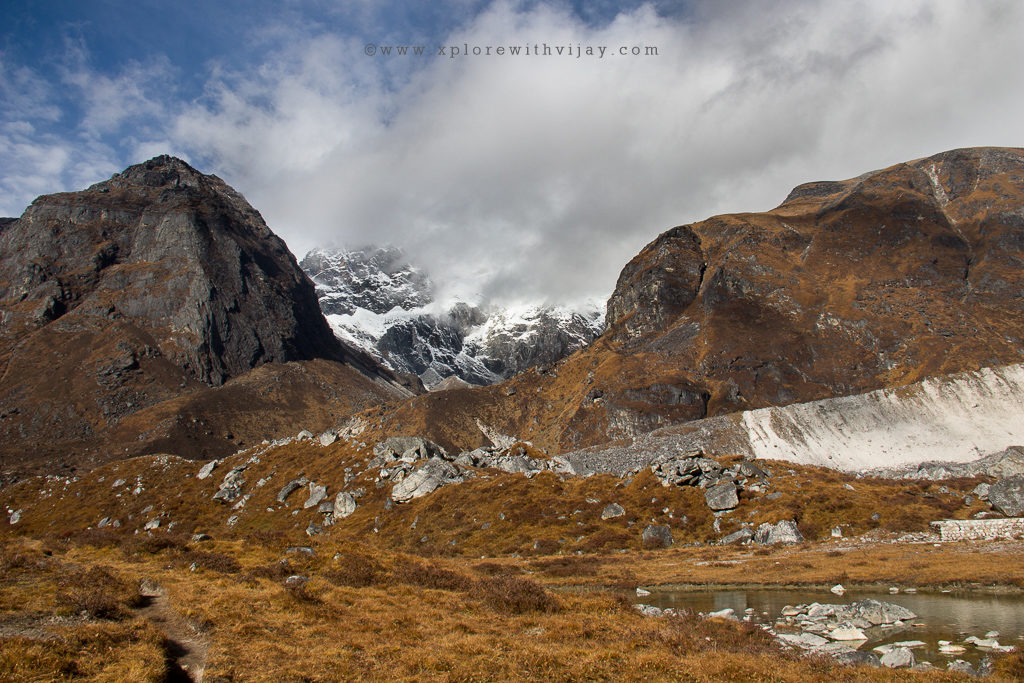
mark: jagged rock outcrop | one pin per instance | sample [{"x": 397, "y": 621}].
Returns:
[
  {"x": 158, "y": 282},
  {"x": 875, "y": 282}
]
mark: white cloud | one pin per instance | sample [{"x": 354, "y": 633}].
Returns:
[{"x": 535, "y": 177}]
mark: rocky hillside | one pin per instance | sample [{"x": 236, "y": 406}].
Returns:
[
  {"x": 149, "y": 287},
  {"x": 850, "y": 286},
  {"x": 375, "y": 300}
]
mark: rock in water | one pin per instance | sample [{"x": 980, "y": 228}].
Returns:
[{"x": 898, "y": 658}]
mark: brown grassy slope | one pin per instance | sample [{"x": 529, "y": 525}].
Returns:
[
  {"x": 846, "y": 287},
  {"x": 409, "y": 620},
  {"x": 492, "y": 514},
  {"x": 275, "y": 400}
]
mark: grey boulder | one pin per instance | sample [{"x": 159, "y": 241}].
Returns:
[
  {"x": 612, "y": 510},
  {"x": 434, "y": 474},
  {"x": 721, "y": 496},
  {"x": 657, "y": 535},
  {"x": 1007, "y": 496}
]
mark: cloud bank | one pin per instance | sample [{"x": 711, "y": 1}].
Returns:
[{"x": 537, "y": 177}]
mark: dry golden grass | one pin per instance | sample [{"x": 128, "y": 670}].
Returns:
[
  {"x": 405, "y": 593},
  {"x": 412, "y": 618}
]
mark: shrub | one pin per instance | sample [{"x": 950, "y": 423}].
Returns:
[
  {"x": 570, "y": 565},
  {"x": 357, "y": 571},
  {"x": 514, "y": 595},
  {"x": 98, "y": 593},
  {"x": 217, "y": 562},
  {"x": 429, "y": 576}
]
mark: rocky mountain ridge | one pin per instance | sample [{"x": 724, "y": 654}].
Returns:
[
  {"x": 376, "y": 300},
  {"x": 876, "y": 282},
  {"x": 153, "y": 286}
]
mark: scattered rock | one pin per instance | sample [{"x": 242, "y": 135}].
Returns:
[
  {"x": 327, "y": 438},
  {"x": 612, "y": 510},
  {"x": 657, "y": 534},
  {"x": 15, "y": 517},
  {"x": 200, "y": 538},
  {"x": 783, "y": 532},
  {"x": 838, "y": 589},
  {"x": 301, "y": 550},
  {"x": 203, "y": 473},
  {"x": 314, "y": 529},
  {"x": 722, "y": 496},
  {"x": 152, "y": 524},
  {"x": 304, "y": 435}
]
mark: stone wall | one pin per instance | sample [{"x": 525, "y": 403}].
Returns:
[{"x": 979, "y": 529}]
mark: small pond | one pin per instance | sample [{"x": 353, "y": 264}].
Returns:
[{"x": 940, "y": 616}]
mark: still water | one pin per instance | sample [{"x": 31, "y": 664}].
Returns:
[{"x": 940, "y": 616}]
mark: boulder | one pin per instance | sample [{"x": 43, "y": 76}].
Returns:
[
  {"x": 852, "y": 657},
  {"x": 741, "y": 536},
  {"x": 807, "y": 641},
  {"x": 206, "y": 470},
  {"x": 898, "y": 658},
  {"x": 290, "y": 488},
  {"x": 434, "y": 474},
  {"x": 784, "y": 532},
  {"x": 749, "y": 469},
  {"x": 1007, "y": 496},
  {"x": 612, "y": 510},
  {"x": 722, "y": 496},
  {"x": 398, "y": 446},
  {"x": 657, "y": 535},
  {"x": 344, "y": 505},
  {"x": 316, "y": 495},
  {"x": 327, "y": 438},
  {"x": 200, "y": 538}
]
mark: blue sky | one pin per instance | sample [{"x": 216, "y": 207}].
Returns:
[{"x": 534, "y": 177}]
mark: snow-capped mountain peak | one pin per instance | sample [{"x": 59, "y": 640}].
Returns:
[{"x": 373, "y": 298}]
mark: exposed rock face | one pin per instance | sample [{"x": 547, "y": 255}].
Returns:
[
  {"x": 159, "y": 282},
  {"x": 870, "y": 283},
  {"x": 179, "y": 254}
]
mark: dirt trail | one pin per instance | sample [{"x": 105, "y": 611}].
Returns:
[{"x": 187, "y": 648}]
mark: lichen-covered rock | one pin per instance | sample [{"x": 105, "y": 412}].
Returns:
[{"x": 290, "y": 488}]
